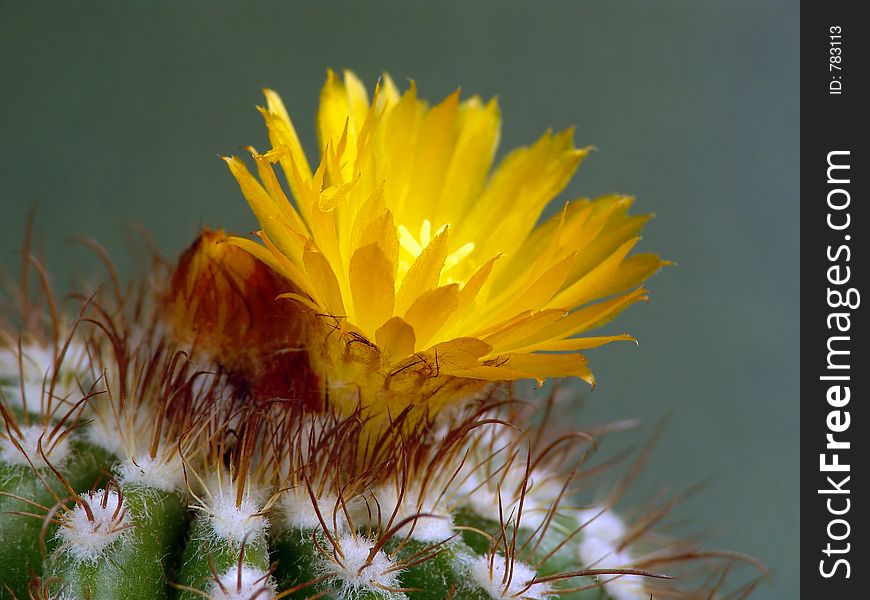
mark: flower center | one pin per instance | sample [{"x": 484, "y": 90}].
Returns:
[{"x": 412, "y": 246}]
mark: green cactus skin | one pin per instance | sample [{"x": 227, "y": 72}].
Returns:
[
  {"x": 478, "y": 542},
  {"x": 158, "y": 559},
  {"x": 560, "y": 558},
  {"x": 437, "y": 577},
  {"x": 442, "y": 575},
  {"x": 140, "y": 565},
  {"x": 20, "y": 553},
  {"x": 134, "y": 566},
  {"x": 204, "y": 555},
  {"x": 295, "y": 557}
]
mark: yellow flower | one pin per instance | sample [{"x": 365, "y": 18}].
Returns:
[{"x": 415, "y": 257}]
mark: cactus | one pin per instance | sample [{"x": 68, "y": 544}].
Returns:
[{"x": 333, "y": 413}]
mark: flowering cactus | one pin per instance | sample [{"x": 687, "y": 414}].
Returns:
[{"x": 330, "y": 413}]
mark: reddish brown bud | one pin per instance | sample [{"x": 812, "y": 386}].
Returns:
[{"x": 223, "y": 301}]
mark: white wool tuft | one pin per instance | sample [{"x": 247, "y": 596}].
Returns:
[
  {"x": 36, "y": 368},
  {"x": 11, "y": 394},
  {"x": 599, "y": 554},
  {"x": 627, "y": 587},
  {"x": 436, "y": 526},
  {"x": 36, "y": 362},
  {"x": 31, "y": 369},
  {"x": 106, "y": 435},
  {"x": 603, "y": 524},
  {"x": 299, "y": 513},
  {"x": 163, "y": 473},
  {"x": 86, "y": 540},
  {"x": 598, "y": 549},
  {"x": 542, "y": 491},
  {"x": 354, "y": 574},
  {"x": 491, "y": 577},
  {"x": 8, "y": 364},
  {"x": 29, "y": 442},
  {"x": 428, "y": 529},
  {"x": 494, "y": 474},
  {"x": 120, "y": 438},
  {"x": 237, "y": 523},
  {"x": 254, "y": 583}
]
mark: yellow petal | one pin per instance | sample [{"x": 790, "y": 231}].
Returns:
[
  {"x": 343, "y": 107},
  {"x": 479, "y": 129},
  {"x": 430, "y": 310},
  {"x": 334, "y": 112},
  {"x": 396, "y": 339},
  {"x": 382, "y": 231},
  {"x": 334, "y": 196},
  {"x": 489, "y": 373},
  {"x": 282, "y": 132},
  {"x": 532, "y": 366},
  {"x": 508, "y": 323},
  {"x": 275, "y": 261},
  {"x": 528, "y": 177},
  {"x": 357, "y": 99},
  {"x": 552, "y": 250},
  {"x": 324, "y": 231},
  {"x": 618, "y": 230},
  {"x": 542, "y": 366},
  {"x": 632, "y": 272},
  {"x": 265, "y": 210},
  {"x": 539, "y": 292},
  {"x": 398, "y": 139},
  {"x": 431, "y": 162},
  {"x": 273, "y": 188},
  {"x": 370, "y": 210},
  {"x": 458, "y": 354},
  {"x": 340, "y": 158},
  {"x": 387, "y": 94},
  {"x": 543, "y": 245},
  {"x": 260, "y": 202},
  {"x": 324, "y": 282},
  {"x": 511, "y": 336},
  {"x": 591, "y": 285},
  {"x": 475, "y": 283},
  {"x": 305, "y": 188},
  {"x": 424, "y": 274},
  {"x": 589, "y": 317},
  {"x": 372, "y": 288},
  {"x": 575, "y": 344},
  {"x": 572, "y": 216}
]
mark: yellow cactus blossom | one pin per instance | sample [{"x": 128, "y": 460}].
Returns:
[{"x": 416, "y": 257}]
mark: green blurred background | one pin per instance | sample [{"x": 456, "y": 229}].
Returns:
[{"x": 115, "y": 114}]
